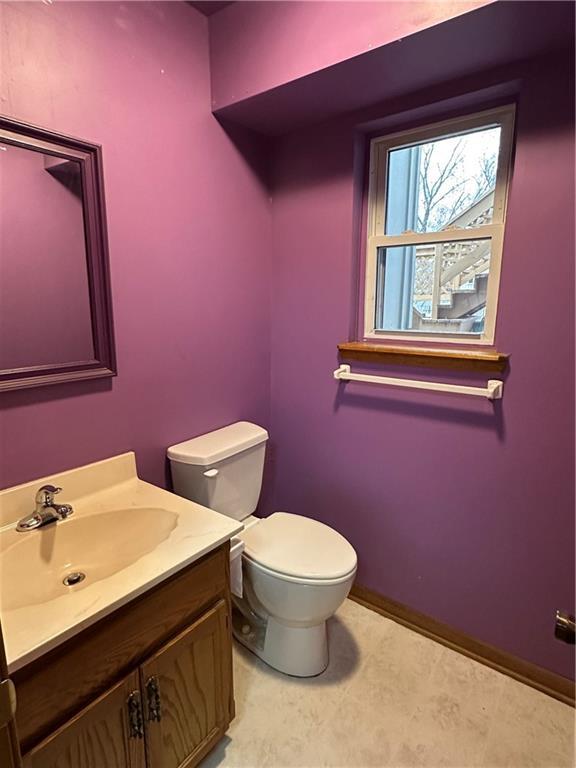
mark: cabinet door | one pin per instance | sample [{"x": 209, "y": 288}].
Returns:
[
  {"x": 105, "y": 734},
  {"x": 187, "y": 690}
]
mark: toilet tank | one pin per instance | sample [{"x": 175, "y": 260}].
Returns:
[{"x": 221, "y": 469}]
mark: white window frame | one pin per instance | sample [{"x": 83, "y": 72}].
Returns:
[{"x": 379, "y": 152}]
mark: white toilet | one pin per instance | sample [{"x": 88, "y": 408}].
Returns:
[{"x": 296, "y": 571}]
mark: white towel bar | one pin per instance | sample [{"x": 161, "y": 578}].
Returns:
[{"x": 493, "y": 389}]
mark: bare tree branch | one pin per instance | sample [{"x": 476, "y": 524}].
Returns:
[{"x": 445, "y": 190}]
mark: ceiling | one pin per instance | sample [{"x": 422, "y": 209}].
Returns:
[{"x": 209, "y": 7}]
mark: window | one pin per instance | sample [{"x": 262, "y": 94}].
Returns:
[{"x": 436, "y": 212}]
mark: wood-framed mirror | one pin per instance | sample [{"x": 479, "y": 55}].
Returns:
[{"x": 55, "y": 303}]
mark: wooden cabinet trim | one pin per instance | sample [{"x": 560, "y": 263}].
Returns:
[
  {"x": 481, "y": 360},
  {"x": 64, "y": 681},
  {"x": 9, "y": 744}
]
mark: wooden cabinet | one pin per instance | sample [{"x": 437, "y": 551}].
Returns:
[
  {"x": 98, "y": 736},
  {"x": 171, "y": 705}
]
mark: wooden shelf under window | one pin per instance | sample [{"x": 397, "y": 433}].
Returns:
[{"x": 485, "y": 360}]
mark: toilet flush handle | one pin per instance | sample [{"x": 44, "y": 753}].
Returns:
[{"x": 211, "y": 473}]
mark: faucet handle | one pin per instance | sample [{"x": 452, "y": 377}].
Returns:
[{"x": 45, "y": 495}]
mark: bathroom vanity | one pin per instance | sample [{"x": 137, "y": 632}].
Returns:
[
  {"x": 134, "y": 669},
  {"x": 149, "y": 685}
]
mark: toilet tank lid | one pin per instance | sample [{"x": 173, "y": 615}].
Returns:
[{"x": 218, "y": 445}]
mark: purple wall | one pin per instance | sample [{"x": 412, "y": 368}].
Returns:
[
  {"x": 245, "y": 34},
  {"x": 188, "y": 222},
  {"x": 458, "y": 510},
  {"x": 44, "y": 301},
  {"x": 462, "y": 511}
]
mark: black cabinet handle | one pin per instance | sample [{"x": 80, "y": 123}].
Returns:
[
  {"x": 135, "y": 719},
  {"x": 153, "y": 696}
]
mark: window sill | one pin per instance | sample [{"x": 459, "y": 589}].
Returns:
[{"x": 485, "y": 360}]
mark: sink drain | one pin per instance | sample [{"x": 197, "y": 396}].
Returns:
[{"x": 74, "y": 578}]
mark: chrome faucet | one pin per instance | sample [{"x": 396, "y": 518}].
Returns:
[{"x": 46, "y": 510}]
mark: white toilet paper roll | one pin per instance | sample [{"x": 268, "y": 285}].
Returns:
[
  {"x": 236, "y": 549},
  {"x": 236, "y": 576}
]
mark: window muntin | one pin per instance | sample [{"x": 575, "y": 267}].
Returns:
[{"x": 436, "y": 218}]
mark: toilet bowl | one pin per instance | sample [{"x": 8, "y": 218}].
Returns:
[{"x": 296, "y": 571}]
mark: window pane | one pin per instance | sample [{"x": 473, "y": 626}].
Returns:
[
  {"x": 443, "y": 183},
  {"x": 439, "y": 288}
]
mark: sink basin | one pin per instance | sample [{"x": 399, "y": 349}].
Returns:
[
  {"x": 125, "y": 537},
  {"x": 97, "y": 545}
]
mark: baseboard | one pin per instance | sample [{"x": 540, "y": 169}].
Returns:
[{"x": 561, "y": 688}]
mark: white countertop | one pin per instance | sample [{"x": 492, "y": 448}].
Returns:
[{"x": 158, "y": 534}]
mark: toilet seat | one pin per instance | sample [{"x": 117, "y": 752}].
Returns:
[
  {"x": 300, "y": 550},
  {"x": 296, "y": 579}
]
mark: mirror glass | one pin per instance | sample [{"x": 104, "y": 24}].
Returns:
[{"x": 45, "y": 316}]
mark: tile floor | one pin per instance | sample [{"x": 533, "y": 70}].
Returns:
[{"x": 391, "y": 697}]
